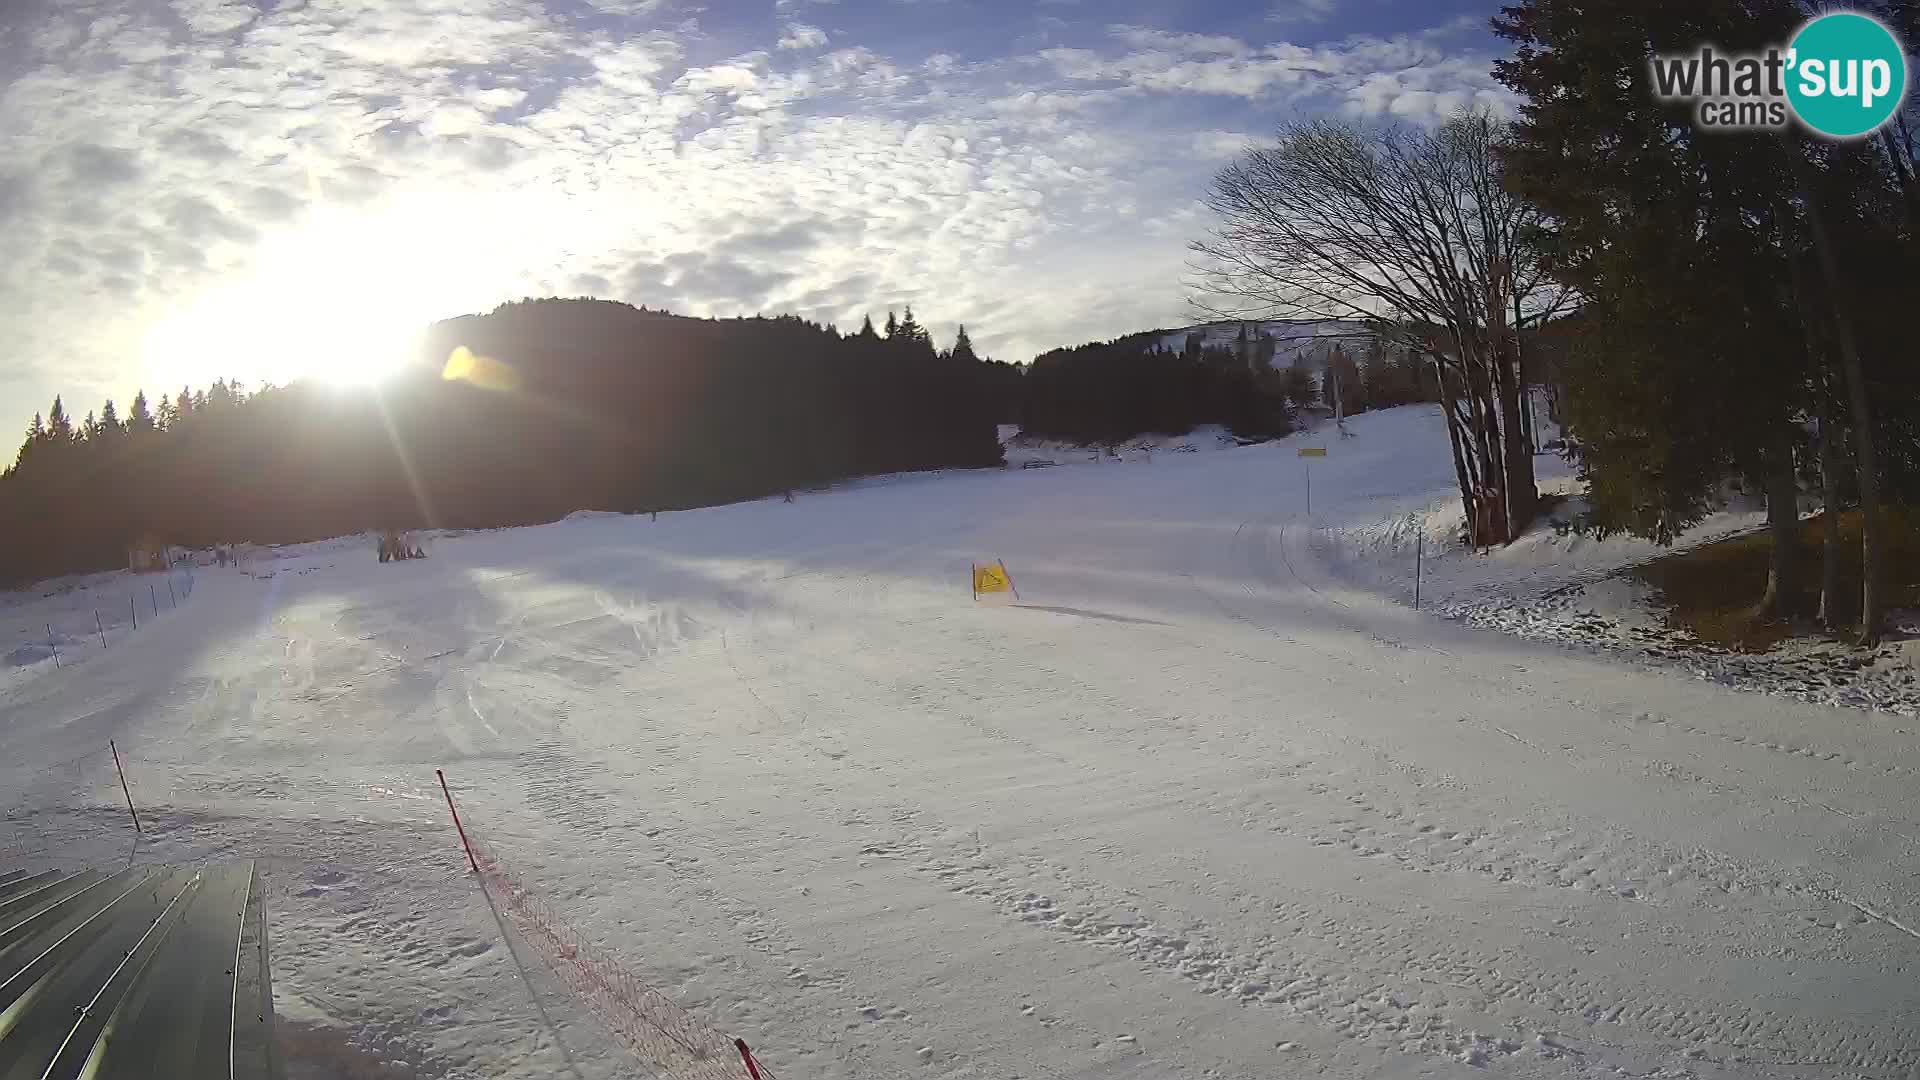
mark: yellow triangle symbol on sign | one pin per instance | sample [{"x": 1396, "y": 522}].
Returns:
[{"x": 989, "y": 579}]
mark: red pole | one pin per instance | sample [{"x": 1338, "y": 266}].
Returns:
[
  {"x": 746, "y": 1055},
  {"x": 123, "y": 784},
  {"x": 456, "y": 821}
]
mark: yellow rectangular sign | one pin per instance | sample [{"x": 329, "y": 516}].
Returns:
[
  {"x": 1313, "y": 451},
  {"x": 990, "y": 578}
]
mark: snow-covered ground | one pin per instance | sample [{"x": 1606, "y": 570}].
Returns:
[
  {"x": 1210, "y": 801},
  {"x": 1554, "y": 585}
]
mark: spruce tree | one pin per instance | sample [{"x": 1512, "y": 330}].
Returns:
[
  {"x": 59, "y": 427},
  {"x": 1264, "y": 351},
  {"x": 867, "y": 331},
  {"x": 139, "y": 418},
  {"x": 1677, "y": 241},
  {"x": 36, "y": 438},
  {"x": 963, "y": 347},
  {"x": 893, "y": 326},
  {"x": 911, "y": 332}
]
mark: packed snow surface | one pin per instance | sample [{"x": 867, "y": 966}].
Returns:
[{"x": 1200, "y": 805}]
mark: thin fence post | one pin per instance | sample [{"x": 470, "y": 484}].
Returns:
[
  {"x": 457, "y": 827},
  {"x": 54, "y": 645},
  {"x": 746, "y": 1055},
  {"x": 102, "y": 629},
  {"x": 173, "y": 599},
  {"x": 123, "y": 785},
  {"x": 1419, "y": 556},
  {"x": 133, "y": 608},
  {"x": 154, "y": 595}
]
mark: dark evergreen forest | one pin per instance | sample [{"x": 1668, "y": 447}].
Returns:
[{"x": 555, "y": 406}]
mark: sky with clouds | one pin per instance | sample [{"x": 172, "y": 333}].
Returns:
[{"x": 267, "y": 189}]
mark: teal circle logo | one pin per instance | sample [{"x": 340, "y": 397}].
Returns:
[{"x": 1847, "y": 74}]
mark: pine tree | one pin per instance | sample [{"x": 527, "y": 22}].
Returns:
[
  {"x": 911, "y": 331},
  {"x": 110, "y": 419},
  {"x": 1297, "y": 384},
  {"x": 963, "y": 347},
  {"x": 1264, "y": 351},
  {"x": 165, "y": 417},
  {"x": 183, "y": 405},
  {"x": 90, "y": 428},
  {"x": 36, "y": 438},
  {"x": 59, "y": 427},
  {"x": 866, "y": 329},
  {"x": 139, "y": 419},
  {"x": 1679, "y": 242},
  {"x": 893, "y": 326}
]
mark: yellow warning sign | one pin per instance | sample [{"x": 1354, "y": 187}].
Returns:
[
  {"x": 1313, "y": 451},
  {"x": 991, "y": 578}
]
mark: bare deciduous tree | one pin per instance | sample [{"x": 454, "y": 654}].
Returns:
[{"x": 1412, "y": 232}]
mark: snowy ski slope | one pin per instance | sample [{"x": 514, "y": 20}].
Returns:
[{"x": 1198, "y": 808}]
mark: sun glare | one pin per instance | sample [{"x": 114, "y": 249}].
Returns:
[{"x": 343, "y": 298}]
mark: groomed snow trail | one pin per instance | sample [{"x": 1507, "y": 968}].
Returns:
[{"x": 1194, "y": 808}]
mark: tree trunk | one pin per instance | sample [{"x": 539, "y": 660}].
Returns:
[
  {"x": 1526, "y": 396},
  {"x": 1865, "y": 458},
  {"x": 1829, "y": 613},
  {"x": 1484, "y": 426},
  {"x": 1453, "y": 442},
  {"x": 1521, "y": 495},
  {"x": 1493, "y": 472},
  {"x": 1783, "y": 522}
]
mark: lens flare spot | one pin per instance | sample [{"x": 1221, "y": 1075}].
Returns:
[{"x": 465, "y": 365}]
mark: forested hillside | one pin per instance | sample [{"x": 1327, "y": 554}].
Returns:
[{"x": 553, "y": 406}]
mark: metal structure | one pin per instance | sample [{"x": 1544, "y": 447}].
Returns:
[{"x": 153, "y": 971}]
